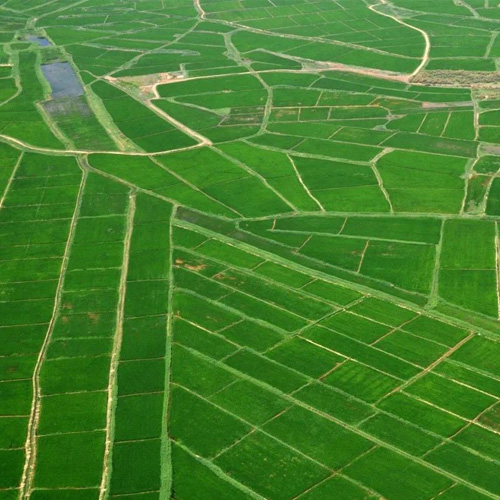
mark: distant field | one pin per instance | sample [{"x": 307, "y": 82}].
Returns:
[{"x": 249, "y": 250}]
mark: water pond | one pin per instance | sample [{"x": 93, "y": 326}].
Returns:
[
  {"x": 62, "y": 80},
  {"x": 43, "y": 42}
]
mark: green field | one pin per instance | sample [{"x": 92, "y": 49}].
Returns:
[{"x": 249, "y": 249}]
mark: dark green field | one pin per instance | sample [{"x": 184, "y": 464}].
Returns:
[{"x": 249, "y": 249}]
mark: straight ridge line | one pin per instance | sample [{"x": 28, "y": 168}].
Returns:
[
  {"x": 434, "y": 294},
  {"x": 166, "y": 450},
  {"x": 11, "y": 179},
  {"x": 349, "y": 236},
  {"x": 360, "y": 265},
  {"x": 256, "y": 175},
  {"x": 469, "y": 169},
  {"x": 306, "y": 189},
  {"x": 112, "y": 389},
  {"x": 375, "y": 215},
  {"x": 497, "y": 267},
  {"x": 428, "y": 369},
  {"x": 382, "y": 188}
]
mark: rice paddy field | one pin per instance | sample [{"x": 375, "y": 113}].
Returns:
[{"x": 249, "y": 250}]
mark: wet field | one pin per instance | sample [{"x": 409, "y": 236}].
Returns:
[{"x": 62, "y": 80}]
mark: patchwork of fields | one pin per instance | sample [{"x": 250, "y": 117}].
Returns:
[{"x": 250, "y": 249}]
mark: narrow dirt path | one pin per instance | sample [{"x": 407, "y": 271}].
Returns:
[
  {"x": 425, "y": 56},
  {"x": 11, "y": 179},
  {"x": 115, "y": 355},
  {"x": 72, "y": 152},
  {"x": 434, "y": 293},
  {"x": 166, "y": 451},
  {"x": 199, "y": 8},
  {"x": 380, "y": 180},
  {"x": 203, "y": 141},
  {"x": 306, "y": 189}
]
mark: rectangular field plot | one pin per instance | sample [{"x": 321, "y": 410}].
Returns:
[
  {"x": 412, "y": 348},
  {"x": 357, "y": 327},
  {"x": 359, "y": 351},
  {"x": 271, "y": 373},
  {"x": 82, "y": 412},
  {"x": 314, "y": 435},
  {"x": 361, "y": 381},
  {"x": 270, "y": 468},
  {"x": 70, "y": 460},
  {"x": 140, "y": 457},
  {"x": 468, "y": 273},
  {"x": 249, "y": 401},
  {"x": 451, "y": 396},
  {"x": 225, "y": 429},
  {"x": 298, "y": 354},
  {"x": 191, "y": 478},
  {"x": 334, "y": 403},
  {"x": 420, "y": 182},
  {"x": 378, "y": 471},
  {"x": 403, "y": 435}
]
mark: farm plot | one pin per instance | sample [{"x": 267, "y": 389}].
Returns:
[
  {"x": 249, "y": 250},
  {"x": 36, "y": 221},
  {"x": 75, "y": 119},
  {"x": 140, "y": 353},
  {"x": 374, "y": 354},
  {"x": 381, "y": 248},
  {"x": 405, "y": 174},
  {"x": 468, "y": 273},
  {"x": 21, "y": 118},
  {"x": 200, "y": 55},
  {"x": 148, "y": 130},
  {"x": 104, "y": 300},
  {"x": 226, "y": 107},
  {"x": 79, "y": 346}
]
